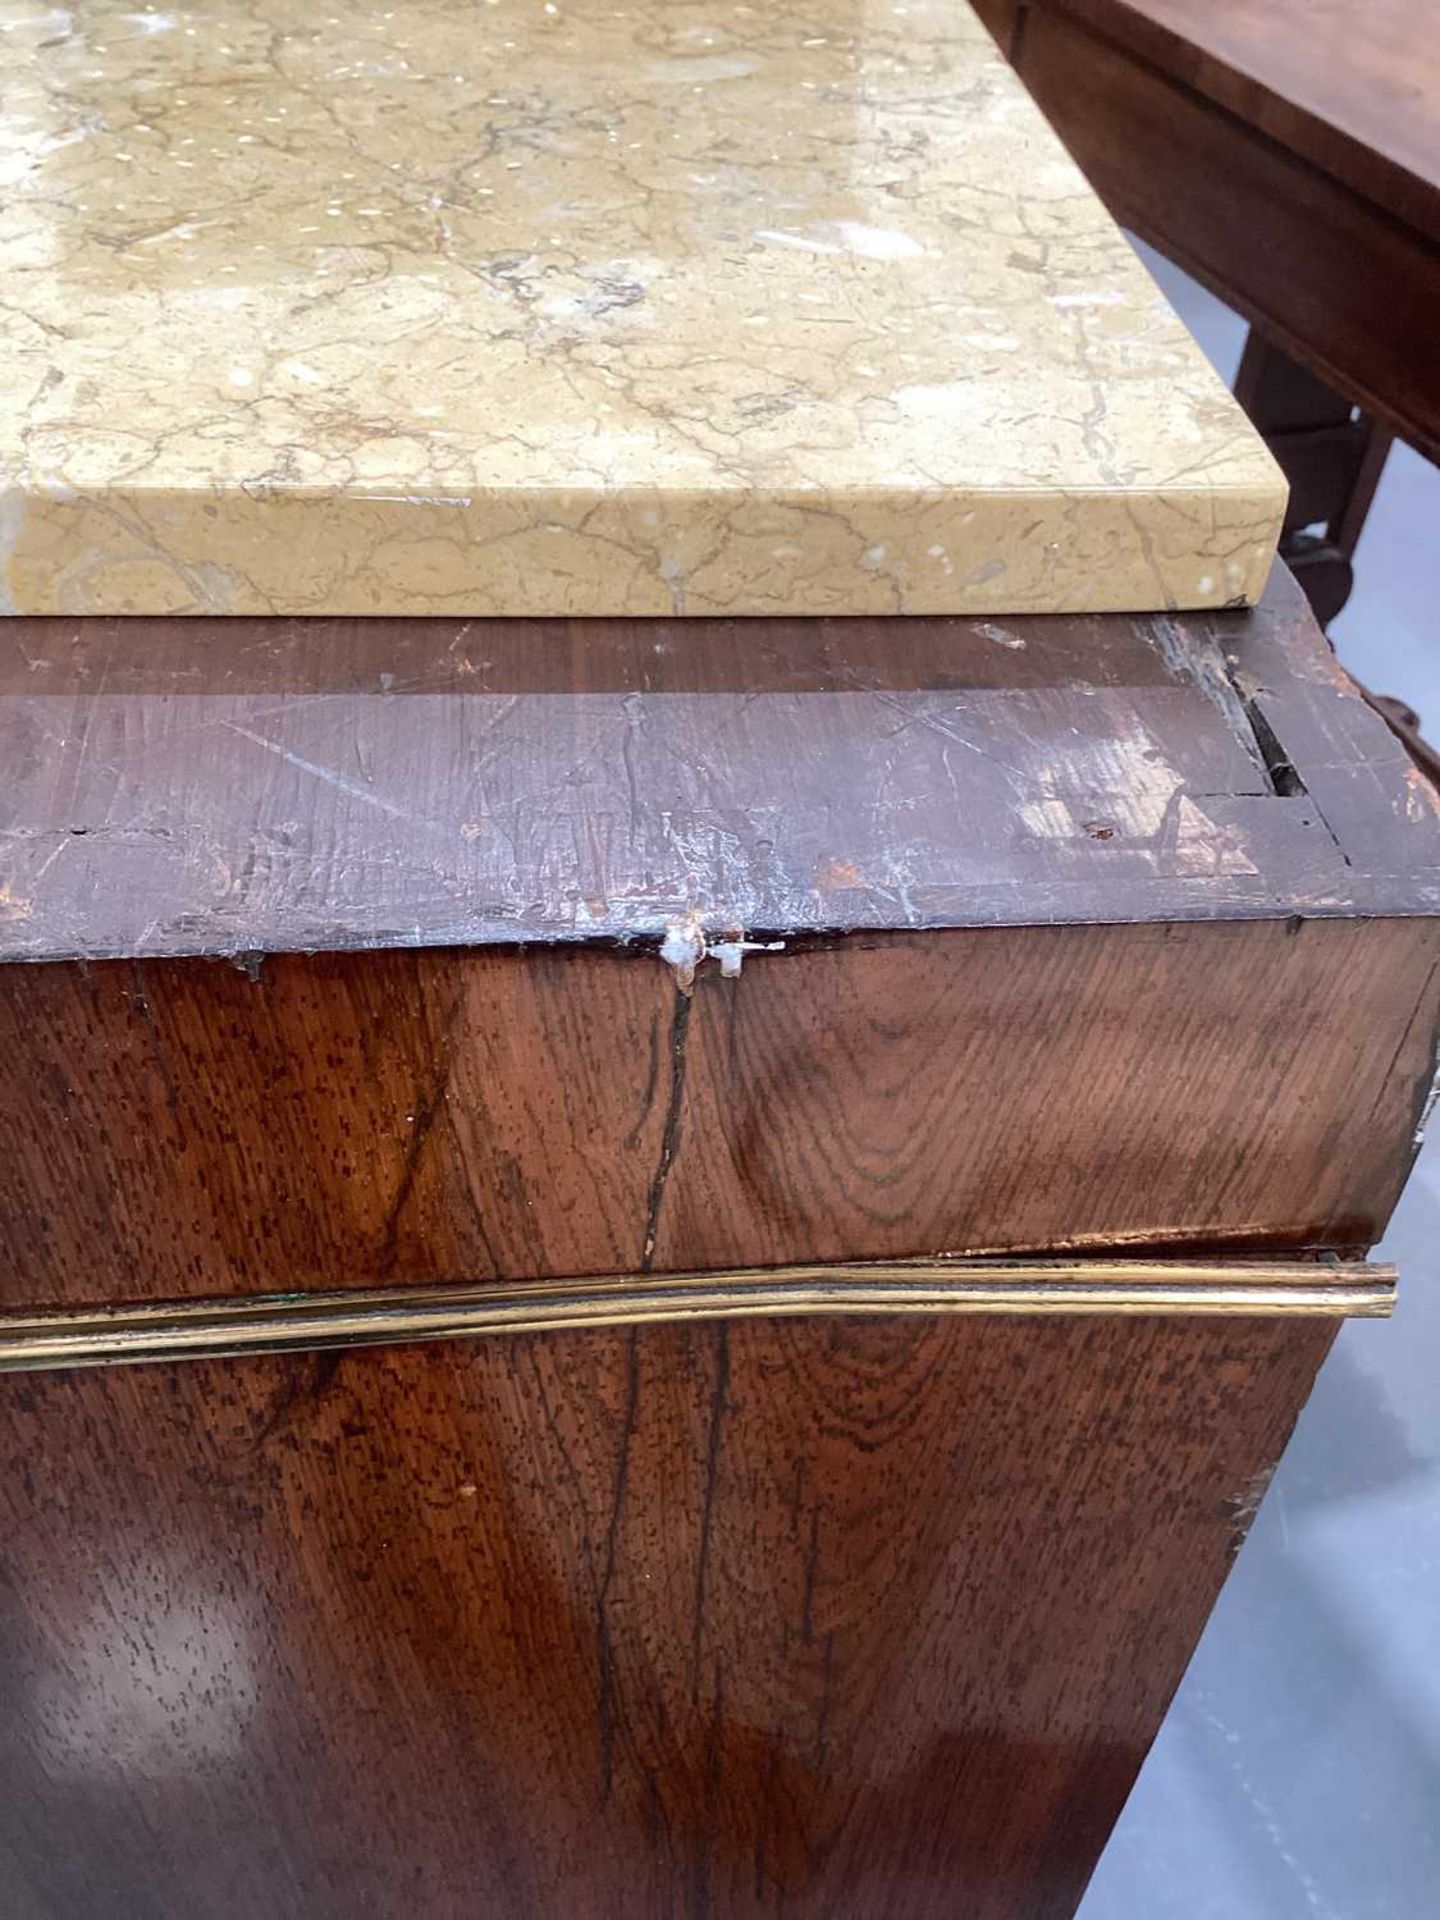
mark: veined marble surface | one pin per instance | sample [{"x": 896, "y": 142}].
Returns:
[{"x": 567, "y": 306}]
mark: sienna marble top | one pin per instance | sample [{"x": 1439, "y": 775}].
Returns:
[{"x": 563, "y": 306}]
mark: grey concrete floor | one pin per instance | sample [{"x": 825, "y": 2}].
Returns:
[{"x": 1297, "y": 1776}]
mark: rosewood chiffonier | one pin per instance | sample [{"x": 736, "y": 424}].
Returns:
[{"x": 704, "y": 1009}]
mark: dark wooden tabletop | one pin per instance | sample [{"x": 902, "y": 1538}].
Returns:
[
  {"x": 1354, "y": 88},
  {"x": 228, "y": 786},
  {"x": 1285, "y": 152}
]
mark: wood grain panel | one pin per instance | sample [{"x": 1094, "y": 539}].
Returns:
[
  {"x": 342, "y": 1120},
  {"x": 817, "y": 1617}
]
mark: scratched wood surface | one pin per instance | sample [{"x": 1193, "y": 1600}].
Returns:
[
  {"x": 183, "y": 786},
  {"x": 814, "y": 1617}
]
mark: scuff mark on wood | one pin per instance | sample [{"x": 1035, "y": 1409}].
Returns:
[
  {"x": 1427, "y": 1107},
  {"x": 1195, "y": 657},
  {"x": 1246, "y": 1504},
  {"x": 1002, "y": 636}
]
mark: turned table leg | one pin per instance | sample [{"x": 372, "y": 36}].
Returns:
[{"x": 1332, "y": 454}]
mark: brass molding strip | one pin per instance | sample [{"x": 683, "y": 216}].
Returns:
[{"x": 284, "y": 1323}]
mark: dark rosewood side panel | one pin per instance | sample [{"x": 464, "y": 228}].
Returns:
[
  {"x": 176, "y": 1128},
  {"x": 814, "y": 1617}
]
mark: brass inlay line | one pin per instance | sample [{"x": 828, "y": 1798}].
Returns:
[{"x": 280, "y": 1323}]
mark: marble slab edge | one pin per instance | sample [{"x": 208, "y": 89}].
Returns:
[{"x": 504, "y": 554}]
